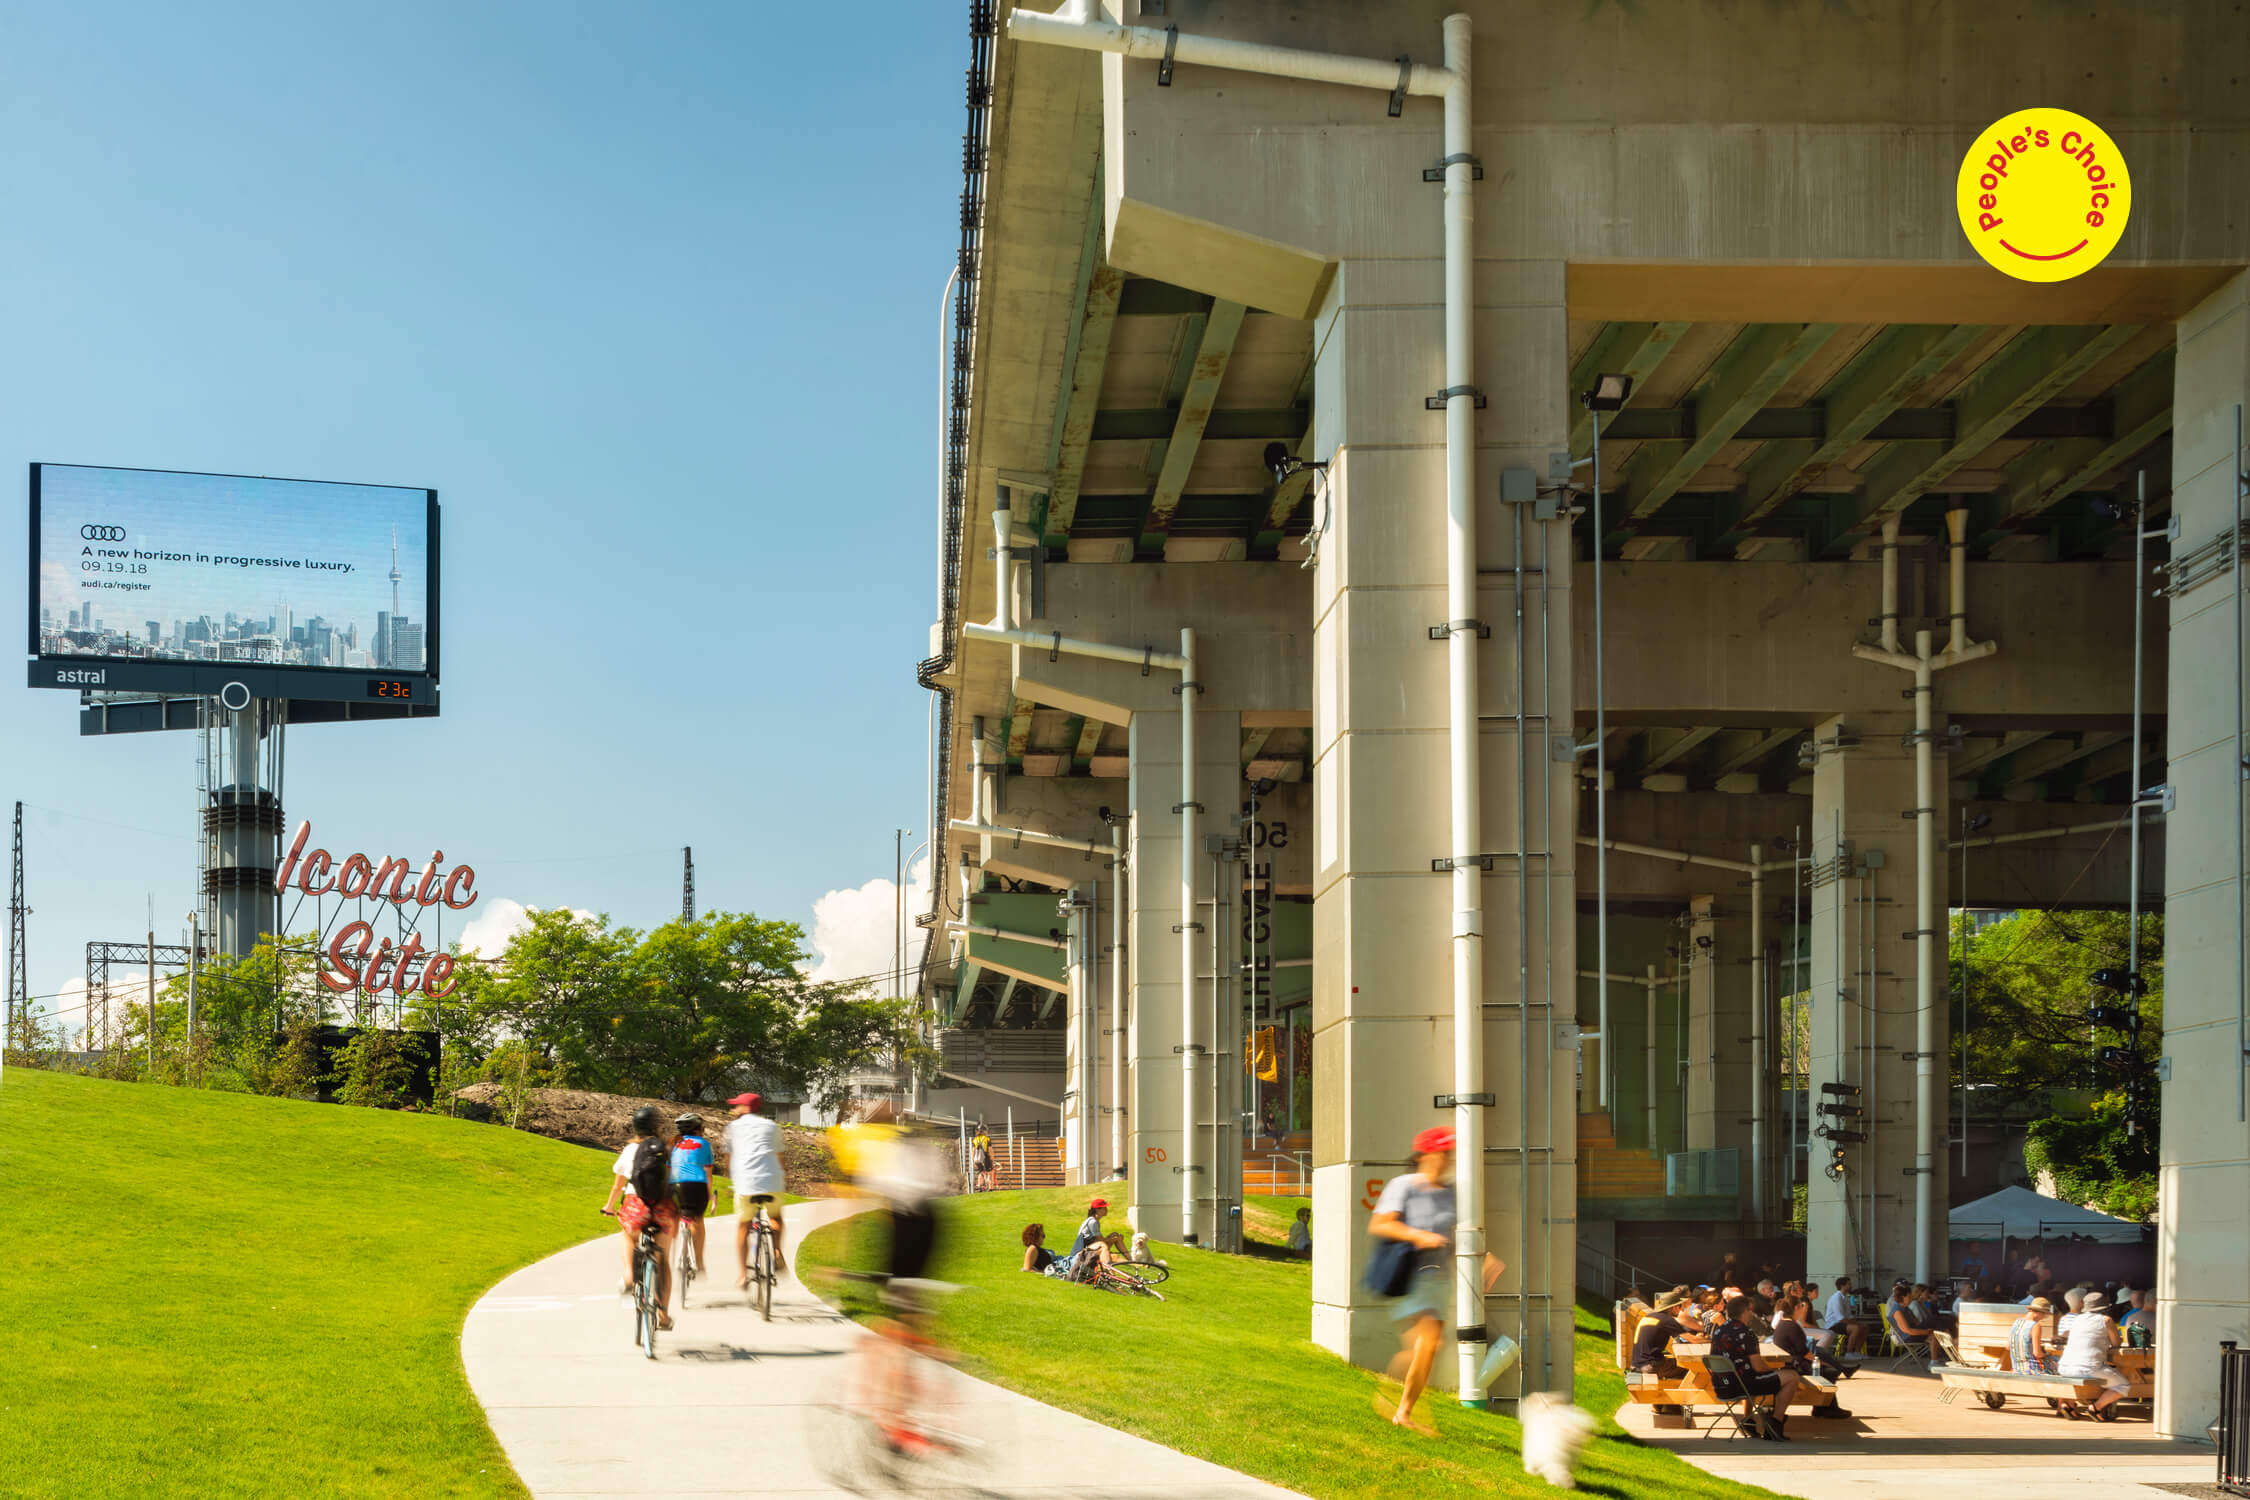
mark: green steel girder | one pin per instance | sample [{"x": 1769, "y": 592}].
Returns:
[
  {"x": 1213, "y": 351},
  {"x": 1088, "y": 361},
  {"x": 1756, "y": 365},
  {"x": 2140, "y": 413},
  {"x": 2035, "y": 364},
  {"x": 1853, "y": 407}
]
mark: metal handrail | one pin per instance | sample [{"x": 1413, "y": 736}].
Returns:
[
  {"x": 1607, "y": 1266},
  {"x": 1299, "y": 1161}
]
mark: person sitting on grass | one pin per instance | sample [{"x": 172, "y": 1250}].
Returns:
[
  {"x": 1036, "y": 1256},
  {"x": 1089, "y": 1253},
  {"x": 1300, "y": 1234}
]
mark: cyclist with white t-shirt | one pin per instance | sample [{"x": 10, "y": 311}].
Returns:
[{"x": 754, "y": 1159}]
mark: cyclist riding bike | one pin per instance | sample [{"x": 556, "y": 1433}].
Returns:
[
  {"x": 691, "y": 1179},
  {"x": 754, "y": 1159},
  {"x": 642, "y": 1175}
]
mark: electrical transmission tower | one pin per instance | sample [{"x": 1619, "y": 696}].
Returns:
[
  {"x": 687, "y": 885},
  {"x": 19, "y": 987}
]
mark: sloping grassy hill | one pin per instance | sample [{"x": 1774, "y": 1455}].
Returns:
[
  {"x": 1224, "y": 1369},
  {"x": 218, "y": 1295}
]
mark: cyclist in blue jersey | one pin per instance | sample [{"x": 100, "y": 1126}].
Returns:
[{"x": 691, "y": 1179}]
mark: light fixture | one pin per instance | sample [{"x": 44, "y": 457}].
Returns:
[
  {"x": 1610, "y": 393},
  {"x": 1981, "y": 820},
  {"x": 1281, "y": 463}
]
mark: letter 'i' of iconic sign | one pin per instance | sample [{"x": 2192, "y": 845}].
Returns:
[
  {"x": 2043, "y": 194},
  {"x": 356, "y": 960}
]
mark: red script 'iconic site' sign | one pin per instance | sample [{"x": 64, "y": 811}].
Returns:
[{"x": 393, "y": 880}]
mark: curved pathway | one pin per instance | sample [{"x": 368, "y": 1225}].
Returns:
[{"x": 728, "y": 1405}]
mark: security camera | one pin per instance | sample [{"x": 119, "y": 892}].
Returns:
[{"x": 1281, "y": 463}]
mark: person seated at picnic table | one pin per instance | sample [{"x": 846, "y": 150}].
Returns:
[
  {"x": 1842, "y": 1326},
  {"x": 2088, "y": 1341},
  {"x": 1922, "y": 1313},
  {"x": 1652, "y": 1339},
  {"x": 1793, "y": 1340},
  {"x": 2139, "y": 1325},
  {"x": 1754, "y": 1377},
  {"x": 2027, "y": 1339}
]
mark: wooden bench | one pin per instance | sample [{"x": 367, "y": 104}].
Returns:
[{"x": 1994, "y": 1387}]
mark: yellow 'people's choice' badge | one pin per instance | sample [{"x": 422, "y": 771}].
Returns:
[{"x": 2044, "y": 194}]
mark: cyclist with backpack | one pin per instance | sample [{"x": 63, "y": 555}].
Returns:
[
  {"x": 691, "y": 1179},
  {"x": 642, "y": 1173}
]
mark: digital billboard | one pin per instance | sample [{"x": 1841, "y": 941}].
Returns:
[{"x": 147, "y": 580}]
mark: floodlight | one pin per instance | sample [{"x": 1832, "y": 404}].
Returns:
[
  {"x": 2114, "y": 1018},
  {"x": 1281, "y": 463},
  {"x": 2118, "y": 1057},
  {"x": 1610, "y": 393},
  {"x": 1981, "y": 820},
  {"x": 2126, "y": 981}
]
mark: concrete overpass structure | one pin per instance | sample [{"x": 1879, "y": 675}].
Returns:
[{"x": 1344, "y": 741}]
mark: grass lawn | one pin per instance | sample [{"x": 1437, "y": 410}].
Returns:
[
  {"x": 1266, "y": 1220},
  {"x": 218, "y": 1295},
  {"x": 1224, "y": 1370}
]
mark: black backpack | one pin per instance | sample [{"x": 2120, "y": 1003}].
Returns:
[{"x": 651, "y": 1178}]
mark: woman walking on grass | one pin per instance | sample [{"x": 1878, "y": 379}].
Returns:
[{"x": 1417, "y": 1208}]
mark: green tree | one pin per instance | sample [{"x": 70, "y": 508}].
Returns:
[
  {"x": 374, "y": 1069},
  {"x": 2032, "y": 1049}
]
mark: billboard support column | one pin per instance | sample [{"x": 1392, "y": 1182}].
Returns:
[{"x": 242, "y": 821}]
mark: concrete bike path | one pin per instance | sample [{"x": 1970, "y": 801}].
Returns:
[{"x": 728, "y": 1405}]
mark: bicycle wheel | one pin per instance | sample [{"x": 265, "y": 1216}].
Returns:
[
  {"x": 1146, "y": 1275},
  {"x": 650, "y": 1299},
  {"x": 764, "y": 1272}
]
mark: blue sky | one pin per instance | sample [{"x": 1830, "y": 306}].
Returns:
[{"x": 650, "y": 295}]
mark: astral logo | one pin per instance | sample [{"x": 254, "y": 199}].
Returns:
[
  {"x": 95, "y": 679},
  {"x": 102, "y": 533},
  {"x": 2043, "y": 194}
]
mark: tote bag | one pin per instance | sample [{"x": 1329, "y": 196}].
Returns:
[{"x": 1390, "y": 1268}]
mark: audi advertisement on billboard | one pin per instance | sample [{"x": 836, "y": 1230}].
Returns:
[{"x": 146, "y": 580}]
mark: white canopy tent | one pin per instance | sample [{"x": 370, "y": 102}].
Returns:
[{"x": 2018, "y": 1213}]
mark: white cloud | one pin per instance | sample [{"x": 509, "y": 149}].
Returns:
[
  {"x": 853, "y": 928},
  {"x": 492, "y": 929},
  {"x": 81, "y": 1021}
]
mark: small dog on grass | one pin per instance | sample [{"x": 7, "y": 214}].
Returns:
[
  {"x": 1554, "y": 1433},
  {"x": 1141, "y": 1253}
]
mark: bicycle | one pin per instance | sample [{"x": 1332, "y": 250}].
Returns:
[
  {"x": 761, "y": 1267},
  {"x": 1132, "y": 1279},
  {"x": 881, "y": 1430},
  {"x": 684, "y": 1276},
  {"x": 648, "y": 1286}
]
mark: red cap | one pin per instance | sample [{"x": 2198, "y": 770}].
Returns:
[
  {"x": 1098, "y": 1203},
  {"x": 746, "y": 1101},
  {"x": 1436, "y": 1138}
]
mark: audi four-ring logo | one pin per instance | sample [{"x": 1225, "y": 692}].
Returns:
[{"x": 102, "y": 533}]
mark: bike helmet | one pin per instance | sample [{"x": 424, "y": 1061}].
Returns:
[
  {"x": 688, "y": 1124},
  {"x": 646, "y": 1120}
]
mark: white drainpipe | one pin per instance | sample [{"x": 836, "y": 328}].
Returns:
[
  {"x": 1759, "y": 1076},
  {"x": 1928, "y": 1101},
  {"x": 1077, "y": 25},
  {"x": 1192, "y": 1229},
  {"x": 1117, "y": 889}
]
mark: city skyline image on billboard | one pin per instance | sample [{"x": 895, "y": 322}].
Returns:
[{"x": 152, "y": 565}]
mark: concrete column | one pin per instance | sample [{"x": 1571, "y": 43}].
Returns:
[
  {"x": 1720, "y": 1077},
  {"x": 1152, "y": 934},
  {"x": 1863, "y": 999},
  {"x": 1382, "y": 977},
  {"x": 2203, "y": 1276}
]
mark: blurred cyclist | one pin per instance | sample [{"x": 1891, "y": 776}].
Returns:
[
  {"x": 907, "y": 1175},
  {"x": 691, "y": 1179}
]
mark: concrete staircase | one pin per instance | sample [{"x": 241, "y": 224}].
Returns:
[
  {"x": 1608, "y": 1170},
  {"x": 1029, "y": 1163},
  {"x": 1291, "y": 1176}
]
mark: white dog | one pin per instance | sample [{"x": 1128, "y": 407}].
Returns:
[
  {"x": 1554, "y": 1433},
  {"x": 1141, "y": 1255}
]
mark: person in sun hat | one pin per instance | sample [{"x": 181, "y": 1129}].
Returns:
[
  {"x": 1417, "y": 1207},
  {"x": 2089, "y": 1339}
]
